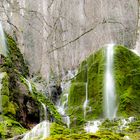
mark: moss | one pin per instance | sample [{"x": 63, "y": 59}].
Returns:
[
  {"x": 127, "y": 82},
  {"x": 16, "y": 57},
  {"x": 134, "y": 136},
  {"x": 5, "y": 85},
  {"x": 107, "y": 135},
  {"x": 82, "y": 73},
  {"x": 5, "y": 100},
  {"x": 14, "y": 60},
  {"x": 134, "y": 127},
  {"x": 10, "y": 109},
  {"x": 91, "y": 71},
  {"x": 127, "y": 77},
  {"x": 95, "y": 83},
  {"x": 117, "y": 127},
  {"x": 59, "y": 132},
  {"x": 53, "y": 113},
  {"x": 76, "y": 101},
  {"x": 58, "y": 129},
  {"x": 10, "y": 128}
]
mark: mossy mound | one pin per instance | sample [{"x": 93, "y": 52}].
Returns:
[
  {"x": 108, "y": 130},
  {"x": 58, "y": 132},
  {"x": 16, "y": 57},
  {"x": 127, "y": 79},
  {"x": 126, "y": 71},
  {"x": 21, "y": 108},
  {"x": 91, "y": 71}
]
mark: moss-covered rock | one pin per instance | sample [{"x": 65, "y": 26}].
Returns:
[
  {"x": 53, "y": 114},
  {"x": 58, "y": 132},
  {"x": 92, "y": 72},
  {"x": 75, "y": 102},
  {"x": 17, "y": 103},
  {"x": 127, "y": 79},
  {"x": 16, "y": 57},
  {"x": 9, "y": 128}
]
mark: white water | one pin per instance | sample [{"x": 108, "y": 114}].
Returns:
[
  {"x": 62, "y": 106},
  {"x": 92, "y": 126},
  {"x": 3, "y": 46},
  {"x": 125, "y": 122},
  {"x": 109, "y": 93},
  {"x": 29, "y": 85},
  {"x": 86, "y": 100},
  {"x": 1, "y": 77},
  {"x": 135, "y": 51},
  {"x": 44, "y": 111},
  {"x": 39, "y": 132}
]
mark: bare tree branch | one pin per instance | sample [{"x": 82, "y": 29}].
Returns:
[{"x": 86, "y": 32}]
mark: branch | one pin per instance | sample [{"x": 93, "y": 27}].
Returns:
[
  {"x": 8, "y": 18},
  {"x": 86, "y": 32}
]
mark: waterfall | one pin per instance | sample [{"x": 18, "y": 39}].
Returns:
[
  {"x": 29, "y": 85},
  {"x": 39, "y": 132},
  {"x": 109, "y": 90},
  {"x": 42, "y": 130},
  {"x": 44, "y": 111},
  {"x": 86, "y": 100},
  {"x": 3, "y": 46},
  {"x": 61, "y": 107},
  {"x": 92, "y": 126},
  {"x": 62, "y": 104}
]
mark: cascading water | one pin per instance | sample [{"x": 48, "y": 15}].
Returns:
[
  {"x": 86, "y": 101},
  {"x": 44, "y": 111},
  {"x": 39, "y": 132},
  {"x": 109, "y": 90},
  {"x": 92, "y": 126},
  {"x": 3, "y": 46},
  {"x": 29, "y": 85},
  {"x": 42, "y": 130},
  {"x": 62, "y": 105}
]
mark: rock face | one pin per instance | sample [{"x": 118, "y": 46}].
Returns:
[
  {"x": 127, "y": 80},
  {"x": 77, "y": 27},
  {"x": 20, "y": 107}
]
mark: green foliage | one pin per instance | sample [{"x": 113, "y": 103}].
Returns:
[
  {"x": 5, "y": 85},
  {"x": 107, "y": 135},
  {"x": 10, "y": 128},
  {"x": 16, "y": 57},
  {"x": 8, "y": 106},
  {"x": 91, "y": 71},
  {"x": 95, "y": 84},
  {"x": 40, "y": 97},
  {"x": 117, "y": 126},
  {"x": 59, "y": 132},
  {"x": 75, "y": 102},
  {"x": 127, "y": 78},
  {"x": 127, "y": 82},
  {"x": 58, "y": 129}
]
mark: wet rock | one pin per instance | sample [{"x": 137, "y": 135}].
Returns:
[{"x": 54, "y": 92}]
